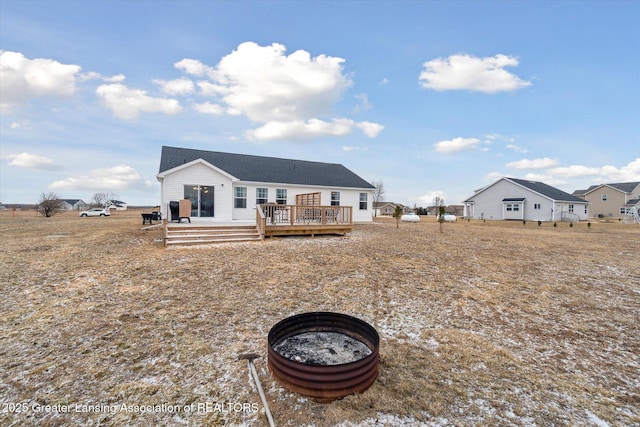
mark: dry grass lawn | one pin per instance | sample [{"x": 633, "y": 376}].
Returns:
[{"x": 494, "y": 323}]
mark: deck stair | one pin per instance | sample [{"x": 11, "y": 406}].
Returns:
[{"x": 204, "y": 235}]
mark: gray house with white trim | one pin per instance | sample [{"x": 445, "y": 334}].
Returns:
[
  {"x": 521, "y": 199},
  {"x": 226, "y": 187}
]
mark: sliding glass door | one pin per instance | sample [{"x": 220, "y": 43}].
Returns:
[{"x": 202, "y": 201}]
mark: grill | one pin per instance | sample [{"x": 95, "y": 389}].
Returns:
[{"x": 324, "y": 355}]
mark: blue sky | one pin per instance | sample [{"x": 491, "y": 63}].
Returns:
[{"x": 433, "y": 98}]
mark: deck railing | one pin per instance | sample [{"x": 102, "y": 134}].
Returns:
[{"x": 274, "y": 215}]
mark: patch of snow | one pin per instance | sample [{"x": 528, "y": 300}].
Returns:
[
  {"x": 595, "y": 420},
  {"x": 395, "y": 420}
]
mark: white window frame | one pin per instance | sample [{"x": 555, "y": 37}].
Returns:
[{"x": 240, "y": 197}]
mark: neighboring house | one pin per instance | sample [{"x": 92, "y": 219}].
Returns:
[
  {"x": 611, "y": 200},
  {"x": 520, "y": 199},
  {"x": 117, "y": 205},
  {"x": 227, "y": 187},
  {"x": 457, "y": 210},
  {"x": 388, "y": 208},
  {"x": 74, "y": 204}
]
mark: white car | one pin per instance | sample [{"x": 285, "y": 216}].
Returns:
[{"x": 95, "y": 212}]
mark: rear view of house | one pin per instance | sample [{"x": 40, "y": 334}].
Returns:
[
  {"x": 226, "y": 187},
  {"x": 520, "y": 199}
]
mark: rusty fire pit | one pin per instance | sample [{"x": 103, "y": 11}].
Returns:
[{"x": 324, "y": 355}]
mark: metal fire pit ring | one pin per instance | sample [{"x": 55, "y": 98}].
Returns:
[{"x": 324, "y": 382}]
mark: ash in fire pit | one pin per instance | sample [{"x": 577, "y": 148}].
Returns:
[
  {"x": 324, "y": 355},
  {"x": 322, "y": 348}
]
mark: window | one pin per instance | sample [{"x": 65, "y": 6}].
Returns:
[
  {"x": 536, "y": 206},
  {"x": 624, "y": 211},
  {"x": 363, "y": 202},
  {"x": 281, "y": 196},
  {"x": 570, "y": 208},
  {"x": 240, "y": 198},
  {"x": 516, "y": 207},
  {"x": 509, "y": 208},
  {"x": 335, "y": 198},
  {"x": 604, "y": 197},
  {"x": 262, "y": 195}
]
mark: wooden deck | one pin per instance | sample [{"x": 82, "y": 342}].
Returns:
[{"x": 288, "y": 220}]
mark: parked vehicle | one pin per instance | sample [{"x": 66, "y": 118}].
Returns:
[{"x": 95, "y": 212}]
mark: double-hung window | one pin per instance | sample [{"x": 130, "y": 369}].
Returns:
[
  {"x": 262, "y": 196},
  {"x": 363, "y": 202},
  {"x": 240, "y": 198},
  {"x": 335, "y": 198},
  {"x": 281, "y": 196}
]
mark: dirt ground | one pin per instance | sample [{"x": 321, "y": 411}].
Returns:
[{"x": 496, "y": 323}]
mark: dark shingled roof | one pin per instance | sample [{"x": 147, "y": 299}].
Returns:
[
  {"x": 626, "y": 187},
  {"x": 547, "y": 190},
  {"x": 266, "y": 169}
]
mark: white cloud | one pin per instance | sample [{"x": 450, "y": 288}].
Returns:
[
  {"x": 192, "y": 66},
  {"x": 543, "y": 163},
  {"x": 517, "y": 148},
  {"x": 370, "y": 129},
  {"x": 575, "y": 171},
  {"x": 627, "y": 173},
  {"x": 24, "y": 124},
  {"x": 428, "y": 199},
  {"x": 365, "y": 104},
  {"x": 118, "y": 78},
  {"x": 466, "y": 72},
  {"x": 289, "y": 95},
  {"x": 302, "y": 130},
  {"x": 209, "y": 108},
  {"x": 22, "y": 79},
  {"x": 32, "y": 161},
  {"x": 176, "y": 87},
  {"x": 456, "y": 144},
  {"x": 557, "y": 176},
  {"x": 116, "y": 178},
  {"x": 127, "y": 103},
  {"x": 604, "y": 174},
  {"x": 348, "y": 148},
  {"x": 92, "y": 75}
]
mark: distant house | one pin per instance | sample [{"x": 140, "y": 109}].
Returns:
[
  {"x": 457, "y": 210},
  {"x": 74, "y": 204},
  {"x": 228, "y": 187},
  {"x": 117, "y": 205},
  {"x": 611, "y": 200},
  {"x": 520, "y": 199},
  {"x": 388, "y": 208}
]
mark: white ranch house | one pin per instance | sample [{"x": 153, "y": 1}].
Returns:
[
  {"x": 520, "y": 199},
  {"x": 226, "y": 187}
]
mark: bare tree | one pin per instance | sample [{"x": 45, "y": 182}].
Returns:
[
  {"x": 103, "y": 199},
  {"x": 49, "y": 205},
  {"x": 378, "y": 194}
]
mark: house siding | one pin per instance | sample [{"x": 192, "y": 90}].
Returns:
[
  {"x": 198, "y": 174},
  {"x": 488, "y": 204},
  {"x": 616, "y": 199},
  {"x": 348, "y": 197},
  {"x": 224, "y": 191}
]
